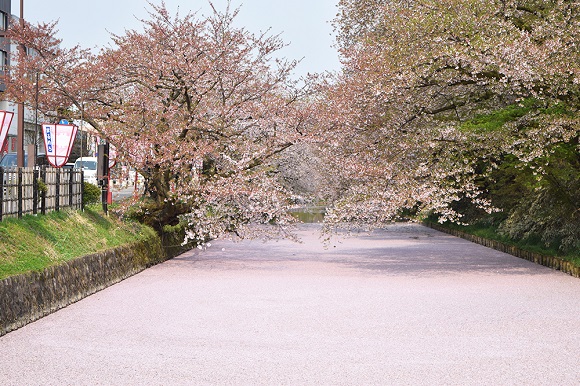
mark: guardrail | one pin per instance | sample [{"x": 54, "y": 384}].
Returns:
[{"x": 32, "y": 191}]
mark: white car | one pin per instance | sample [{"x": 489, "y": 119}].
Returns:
[{"x": 89, "y": 166}]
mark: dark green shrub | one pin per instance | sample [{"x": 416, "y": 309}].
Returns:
[{"x": 92, "y": 194}]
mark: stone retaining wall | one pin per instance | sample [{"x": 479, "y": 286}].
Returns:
[
  {"x": 548, "y": 261},
  {"x": 28, "y": 297}
]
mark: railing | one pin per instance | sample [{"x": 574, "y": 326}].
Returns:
[{"x": 31, "y": 191}]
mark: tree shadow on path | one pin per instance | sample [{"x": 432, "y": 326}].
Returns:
[{"x": 399, "y": 249}]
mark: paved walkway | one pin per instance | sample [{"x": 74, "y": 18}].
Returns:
[{"x": 406, "y": 305}]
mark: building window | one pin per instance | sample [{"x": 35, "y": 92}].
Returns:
[
  {"x": 3, "y": 60},
  {"x": 3, "y": 21}
]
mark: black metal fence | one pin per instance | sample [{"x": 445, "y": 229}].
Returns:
[{"x": 31, "y": 191}]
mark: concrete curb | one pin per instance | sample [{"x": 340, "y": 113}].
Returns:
[
  {"x": 547, "y": 261},
  {"x": 31, "y": 296}
]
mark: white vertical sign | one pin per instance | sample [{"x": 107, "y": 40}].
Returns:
[
  {"x": 58, "y": 142},
  {"x": 5, "y": 121}
]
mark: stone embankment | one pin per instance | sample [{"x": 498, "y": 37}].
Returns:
[
  {"x": 28, "y": 297},
  {"x": 547, "y": 261}
]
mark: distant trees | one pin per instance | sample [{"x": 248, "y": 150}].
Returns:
[
  {"x": 440, "y": 100},
  {"x": 198, "y": 106}
]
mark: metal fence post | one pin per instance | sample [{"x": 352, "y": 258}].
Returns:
[
  {"x": 70, "y": 188},
  {"x": 82, "y": 190},
  {"x": 57, "y": 203},
  {"x": 35, "y": 192},
  {"x": 43, "y": 193},
  {"x": 19, "y": 192}
]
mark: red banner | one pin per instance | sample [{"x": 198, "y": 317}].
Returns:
[{"x": 58, "y": 142}]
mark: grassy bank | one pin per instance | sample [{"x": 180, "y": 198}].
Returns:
[
  {"x": 35, "y": 242},
  {"x": 532, "y": 245}
]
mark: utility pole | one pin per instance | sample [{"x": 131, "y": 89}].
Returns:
[{"x": 20, "y": 122}]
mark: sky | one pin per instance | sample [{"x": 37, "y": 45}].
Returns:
[{"x": 304, "y": 24}]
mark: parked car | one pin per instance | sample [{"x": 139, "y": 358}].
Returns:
[
  {"x": 89, "y": 166},
  {"x": 10, "y": 160}
]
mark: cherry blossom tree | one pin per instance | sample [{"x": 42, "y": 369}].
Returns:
[
  {"x": 198, "y": 106},
  {"x": 406, "y": 116},
  {"x": 434, "y": 100}
]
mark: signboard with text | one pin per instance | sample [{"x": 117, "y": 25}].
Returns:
[{"x": 58, "y": 142}]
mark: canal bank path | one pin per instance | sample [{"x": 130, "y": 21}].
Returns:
[{"x": 405, "y": 305}]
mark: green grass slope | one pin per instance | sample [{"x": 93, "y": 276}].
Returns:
[{"x": 36, "y": 242}]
